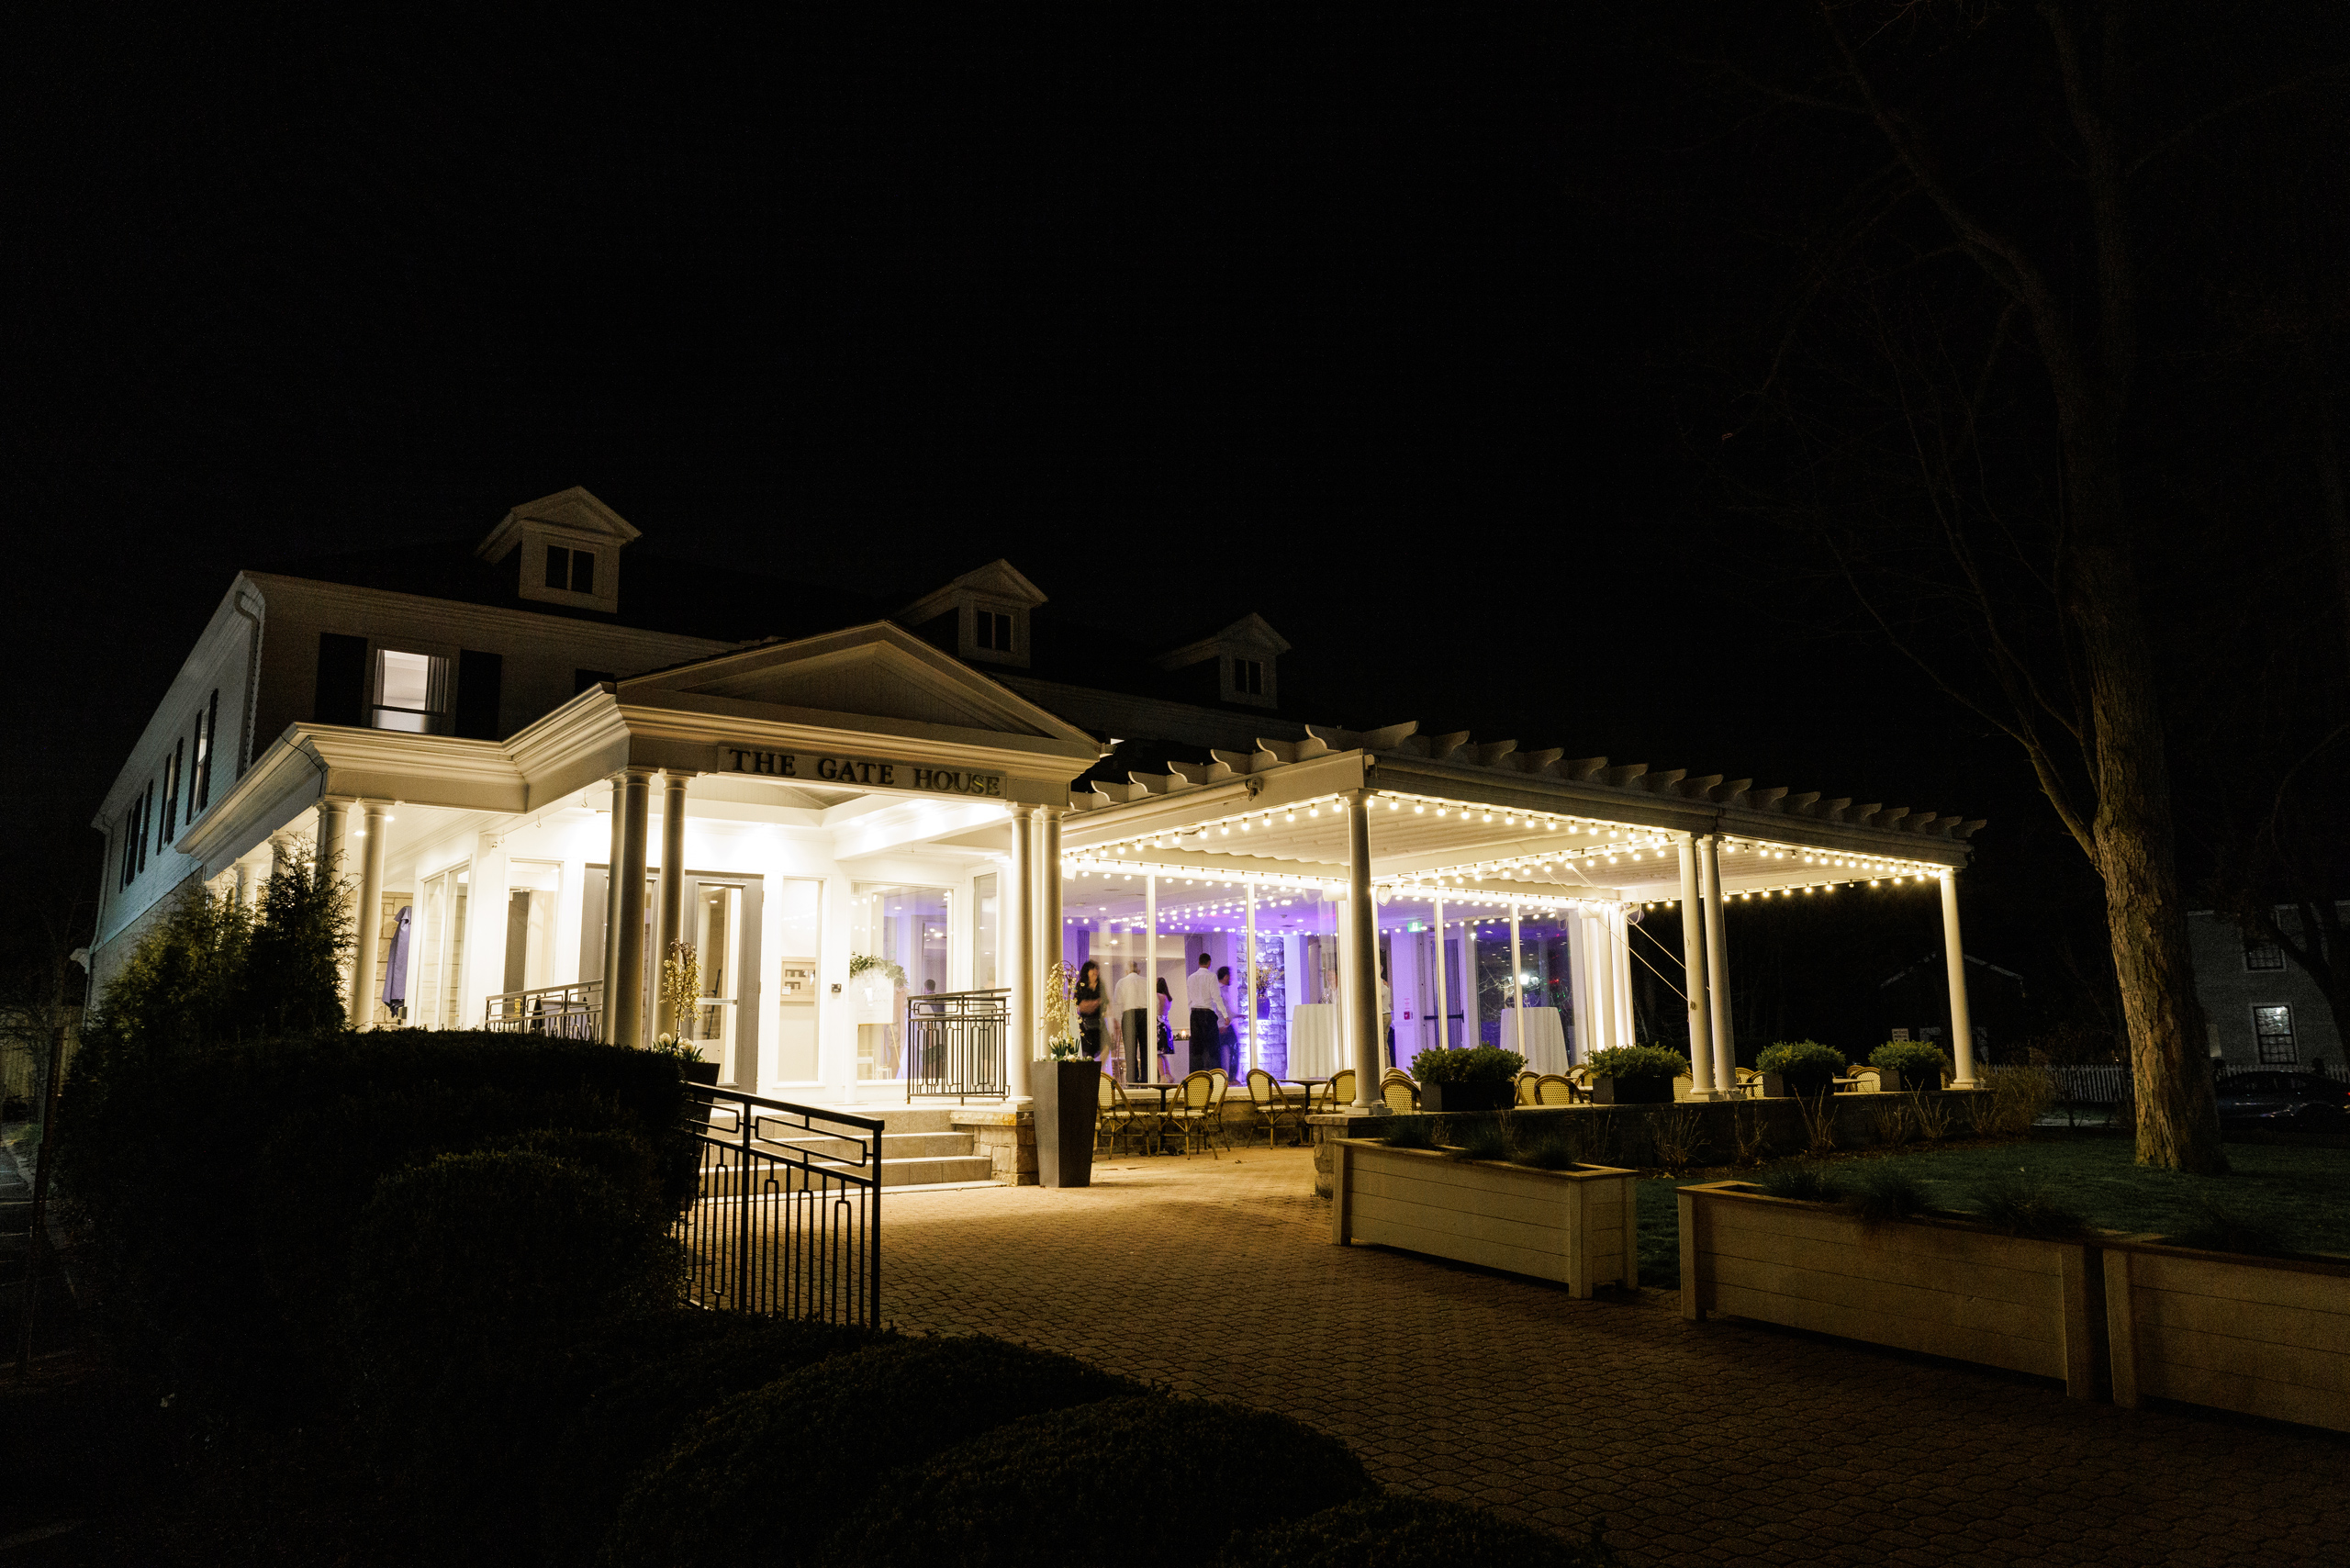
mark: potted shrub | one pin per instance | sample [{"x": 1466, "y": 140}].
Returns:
[
  {"x": 1798, "y": 1067},
  {"x": 681, "y": 989},
  {"x": 1907, "y": 1064},
  {"x": 1479, "y": 1079},
  {"x": 1635, "y": 1075}
]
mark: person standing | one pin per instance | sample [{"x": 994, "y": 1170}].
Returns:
[
  {"x": 1227, "y": 1039},
  {"x": 1131, "y": 1001},
  {"x": 1086, "y": 994},
  {"x": 1208, "y": 1013},
  {"x": 1166, "y": 1031}
]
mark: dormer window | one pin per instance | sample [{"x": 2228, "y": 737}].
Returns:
[
  {"x": 981, "y": 616},
  {"x": 1249, "y": 677},
  {"x": 1243, "y": 656},
  {"x": 571, "y": 569},
  {"x": 991, "y": 631}
]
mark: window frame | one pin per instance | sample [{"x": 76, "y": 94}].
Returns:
[
  {"x": 441, "y": 720},
  {"x": 2261, "y": 1038}
]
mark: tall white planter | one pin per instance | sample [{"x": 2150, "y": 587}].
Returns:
[{"x": 1578, "y": 1227}]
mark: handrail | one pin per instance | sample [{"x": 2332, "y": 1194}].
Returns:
[
  {"x": 954, "y": 1044},
  {"x": 788, "y": 1221},
  {"x": 573, "y": 1011}
]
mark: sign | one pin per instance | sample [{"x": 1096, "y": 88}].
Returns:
[{"x": 860, "y": 772}]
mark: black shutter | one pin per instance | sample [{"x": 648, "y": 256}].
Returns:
[
  {"x": 478, "y": 675},
  {"x": 343, "y": 680},
  {"x": 211, "y": 751}
]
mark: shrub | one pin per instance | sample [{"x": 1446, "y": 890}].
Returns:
[
  {"x": 1800, "y": 1059},
  {"x": 1409, "y": 1132},
  {"x": 1881, "y": 1192},
  {"x": 1479, "y": 1064},
  {"x": 1398, "y": 1532},
  {"x": 2020, "y": 1097},
  {"x": 627, "y": 1424},
  {"x": 1916, "y": 1061},
  {"x": 1638, "y": 1061},
  {"x": 1482, "y": 1140},
  {"x": 1552, "y": 1151},
  {"x": 1807, "y": 1183},
  {"x": 808, "y": 1448},
  {"x": 470, "y": 1278},
  {"x": 1067, "y": 1488},
  {"x": 2219, "y": 1226},
  {"x": 2026, "y": 1206},
  {"x": 207, "y": 1281}
]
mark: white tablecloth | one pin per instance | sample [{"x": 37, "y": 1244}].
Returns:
[
  {"x": 1314, "y": 1039},
  {"x": 1546, "y": 1041}
]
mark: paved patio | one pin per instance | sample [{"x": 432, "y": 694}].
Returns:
[{"x": 1708, "y": 1442}]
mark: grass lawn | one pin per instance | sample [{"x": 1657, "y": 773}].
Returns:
[{"x": 2302, "y": 1196}]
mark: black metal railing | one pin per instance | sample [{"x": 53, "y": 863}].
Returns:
[
  {"x": 954, "y": 1044},
  {"x": 566, "y": 1012},
  {"x": 788, "y": 1221}
]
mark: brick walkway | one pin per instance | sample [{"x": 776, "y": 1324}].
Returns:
[{"x": 1697, "y": 1442}]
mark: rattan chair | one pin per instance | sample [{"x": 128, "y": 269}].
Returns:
[
  {"x": 1525, "y": 1083},
  {"x": 1121, "y": 1117},
  {"x": 1273, "y": 1105},
  {"x": 1866, "y": 1081},
  {"x": 1340, "y": 1092},
  {"x": 1553, "y": 1089},
  {"x": 1403, "y": 1096},
  {"x": 1193, "y": 1111}
]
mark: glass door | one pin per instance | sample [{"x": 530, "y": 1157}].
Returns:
[
  {"x": 897, "y": 949},
  {"x": 440, "y": 950}
]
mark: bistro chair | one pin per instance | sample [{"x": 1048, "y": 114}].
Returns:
[
  {"x": 1121, "y": 1117},
  {"x": 1681, "y": 1087},
  {"x": 1749, "y": 1084},
  {"x": 1339, "y": 1092},
  {"x": 1525, "y": 1084},
  {"x": 1403, "y": 1096},
  {"x": 1863, "y": 1080},
  {"x": 1194, "y": 1102},
  {"x": 1273, "y": 1105},
  {"x": 1553, "y": 1089}
]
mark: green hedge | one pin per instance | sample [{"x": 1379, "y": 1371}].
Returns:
[
  {"x": 471, "y": 1278},
  {"x": 1800, "y": 1059},
  {"x": 1477, "y": 1064},
  {"x": 1141, "y": 1483},
  {"x": 1638, "y": 1061},
  {"x": 1915, "y": 1060},
  {"x": 627, "y": 1424},
  {"x": 222, "y": 1185},
  {"x": 768, "y": 1475},
  {"x": 1397, "y": 1531}
]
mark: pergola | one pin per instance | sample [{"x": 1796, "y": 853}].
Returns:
[{"x": 1367, "y": 818}]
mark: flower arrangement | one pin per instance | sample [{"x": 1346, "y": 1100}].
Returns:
[
  {"x": 859, "y": 963},
  {"x": 1638, "y": 1061},
  {"x": 681, "y": 992},
  {"x": 1056, "y": 1018}
]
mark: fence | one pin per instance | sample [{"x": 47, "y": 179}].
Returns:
[
  {"x": 954, "y": 1044},
  {"x": 788, "y": 1220},
  {"x": 2107, "y": 1083},
  {"x": 564, "y": 1012}
]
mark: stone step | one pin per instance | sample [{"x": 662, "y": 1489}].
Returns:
[
  {"x": 923, "y": 1171},
  {"x": 894, "y": 1145}
]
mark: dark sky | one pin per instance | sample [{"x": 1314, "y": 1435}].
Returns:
[{"x": 1376, "y": 328}]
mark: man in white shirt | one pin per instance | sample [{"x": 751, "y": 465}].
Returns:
[
  {"x": 1208, "y": 1013},
  {"x": 1132, "y": 1003}
]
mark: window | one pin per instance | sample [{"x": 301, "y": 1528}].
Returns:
[
  {"x": 1248, "y": 677},
  {"x": 207, "y": 742},
  {"x": 2259, "y": 953},
  {"x": 573, "y": 571},
  {"x": 2273, "y": 1028},
  {"x": 991, "y": 629},
  {"x": 411, "y": 694},
  {"x": 172, "y": 765}
]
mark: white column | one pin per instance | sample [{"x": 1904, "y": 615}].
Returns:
[
  {"x": 326, "y": 857},
  {"x": 1362, "y": 929},
  {"x": 1693, "y": 979},
  {"x": 626, "y": 1000},
  {"x": 609, "y": 999},
  {"x": 1444, "y": 1007},
  {"x": 1619, "y": 959},
  {"x": 1150, "y": 977},
  {"x": 672, "y": 916},
  {"x": 1048, "y": 887},
  {"x": 1469, "y": 1019},
  {"x": 1256, "y": 1057},
  {"x": 1517, "y": 982},
  {"x": 1020, "y": 935},
  {"x": 1961, "y": 1028},
  {"x": 1710, "y": 866},
  {"x": 373, "y": 817},
  {"x": 1591, "y": 999}
]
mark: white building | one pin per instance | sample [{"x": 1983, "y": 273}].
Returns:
[
  {"x": 2262, "y": 1009},
  {"x": 875, "y": 810}
]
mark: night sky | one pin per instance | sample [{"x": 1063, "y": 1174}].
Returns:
[{"x": 1414, "y": 335}]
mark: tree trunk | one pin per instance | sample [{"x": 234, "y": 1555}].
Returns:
[{"x": 2178, "y": 1126}]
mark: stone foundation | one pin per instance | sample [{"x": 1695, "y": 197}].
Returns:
[{"x": 1009, "y": 1140}]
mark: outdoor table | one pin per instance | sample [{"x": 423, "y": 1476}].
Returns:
[
  {"x": 1313, "y": 1037},
  {"x": 1163, "y": 1089},
  {"x": 1308, "y": 1084},
  {"x": 1542, "y": 1039}
]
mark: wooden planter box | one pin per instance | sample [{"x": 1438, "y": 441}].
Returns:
[
  {"x": 1578, "y": 1227},
  {"x": 2263, "y": 1336},
  {"x": 1442, "y": 1097},
  {"x": 1939, "y": 1287}
]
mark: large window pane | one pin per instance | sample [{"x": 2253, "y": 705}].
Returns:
[{"x": 898, "y": 949}]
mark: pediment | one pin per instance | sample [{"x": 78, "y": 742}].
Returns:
[
  {"x": 575, "y": 512},
  {"x": 875, "y": 672}
]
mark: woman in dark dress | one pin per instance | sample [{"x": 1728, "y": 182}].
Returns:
[{"x": 1087, "y": 995}]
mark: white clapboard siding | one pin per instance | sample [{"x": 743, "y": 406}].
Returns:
[
  {"x": 2266, "y": 1337},
  {"x": 1578, "y": 1227},
  {"x": 1931, "y": 1287}
]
